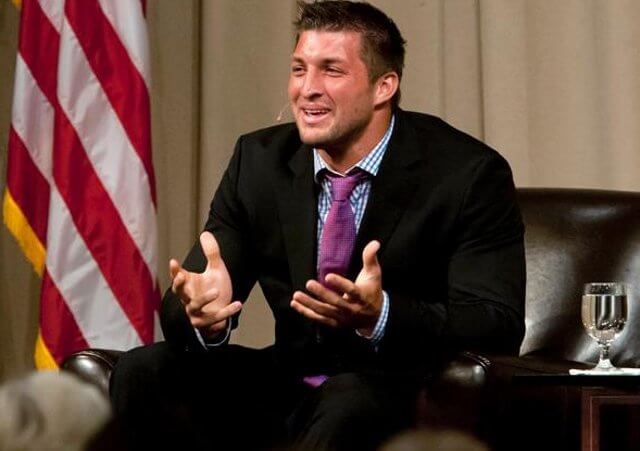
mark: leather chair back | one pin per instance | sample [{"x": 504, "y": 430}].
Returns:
[{"x": 573, "y": 237}]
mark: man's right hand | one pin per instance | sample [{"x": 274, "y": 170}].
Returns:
[{"x": 206, "y": 296}]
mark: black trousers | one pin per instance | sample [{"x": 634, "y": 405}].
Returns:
[{"x": 238, "y": 398}]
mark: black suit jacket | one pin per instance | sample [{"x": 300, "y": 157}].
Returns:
[{"x": 443, "y": 207}]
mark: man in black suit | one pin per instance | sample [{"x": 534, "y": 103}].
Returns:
[{"x": 437, "y": 264}]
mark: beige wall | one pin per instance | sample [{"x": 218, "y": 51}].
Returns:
[
  {"x": 553, "y": 85},
  {"x": 175, "y": 109},
  {"x": 19, "y": 285}
]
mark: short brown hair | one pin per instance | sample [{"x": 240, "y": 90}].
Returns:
[{"x": 382, "y": 43}]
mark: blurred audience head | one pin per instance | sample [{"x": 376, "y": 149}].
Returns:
[
  {"x": 434, "y": 440},
  {"x": 49, "y": 411}
]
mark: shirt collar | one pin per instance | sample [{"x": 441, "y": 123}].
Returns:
[{"x": 370, "y": 163}]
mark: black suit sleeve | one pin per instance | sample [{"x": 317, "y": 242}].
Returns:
[
  {"x": 227, "y": 221},
  {"x": 484, "y": 306}
]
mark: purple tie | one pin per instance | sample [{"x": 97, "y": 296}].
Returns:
[
  {"x": 339, "y": 231},
  {"x": 338, "y": 236}
]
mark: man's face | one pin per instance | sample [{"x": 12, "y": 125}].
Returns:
[{"x": 331, "y": 95}]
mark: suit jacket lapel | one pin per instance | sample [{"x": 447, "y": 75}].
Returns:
[
  {"x": 298, "y": 216},
  {"x": 391, "y": 191}
]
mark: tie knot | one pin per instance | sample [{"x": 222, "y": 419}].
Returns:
[{"x": 342, "y": 187}]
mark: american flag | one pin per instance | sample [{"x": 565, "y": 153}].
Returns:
[{"x": 80, "y": 195}]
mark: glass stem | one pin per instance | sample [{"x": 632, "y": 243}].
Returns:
[{"x": 604, "y": 362}]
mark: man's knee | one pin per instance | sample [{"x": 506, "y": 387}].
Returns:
[
  {"x": 142, "y": 369},
  {"x": 145, "y": 358},
  {"x": 351, "y": 399},
  {"x": 348, "y": 410}
]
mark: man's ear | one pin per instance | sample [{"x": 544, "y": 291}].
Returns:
[{"x": 386, "y": 87}]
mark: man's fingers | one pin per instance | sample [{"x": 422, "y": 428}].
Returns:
[
  {"x": 203, "y": 319},
  {"x": 343, "y": 285},
  {"x": 192, "y": 312},
  {"x": 200, "y": 302},
  {"x": 305, "y": 311},
  {"x": 174, "y": 268},
  {"x": 216, "y": 328},
  {"x": 325, "y": 295},
  {"x": 178, "y": 284},
  {"x": 178, "y": 281},
  {"x": 318, "y": 306},
  {"x": 370, "y": 257},
  {"x": 215, "y": 314},
  {"x": 210, "y": 247}
]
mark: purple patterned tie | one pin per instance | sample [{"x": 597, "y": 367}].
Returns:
[
  {"x": 339, "y": 231},
  {"x": 338, "y": 237}
]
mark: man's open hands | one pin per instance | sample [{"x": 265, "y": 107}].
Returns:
[
  {"x": 206, "y": 296},
  {"x": 346, "y": 304}
]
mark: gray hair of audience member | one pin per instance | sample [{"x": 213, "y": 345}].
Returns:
[
  {"x": 434, "y": 440},
  {"x": 50, "y": 411}
]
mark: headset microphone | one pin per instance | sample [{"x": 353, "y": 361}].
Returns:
[{"x": 282, "y": 111}]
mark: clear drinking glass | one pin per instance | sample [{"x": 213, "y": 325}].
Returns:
[{"x": 604, "y": 314}]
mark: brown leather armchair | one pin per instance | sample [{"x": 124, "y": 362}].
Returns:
[{"x": 572, "y": 237}]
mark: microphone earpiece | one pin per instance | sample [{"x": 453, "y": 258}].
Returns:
[{"x": 281, "y": 113}]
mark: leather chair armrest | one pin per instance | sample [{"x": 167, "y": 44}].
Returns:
[
  {"x": 465, "y": 369},
  {"x": 505, "y": 367},
  {"x": 471, "y": 389},
  {"x": 93, "y": 365},
  {"x": 475, "y": 370},
  {"x": 455, "y": 394}
]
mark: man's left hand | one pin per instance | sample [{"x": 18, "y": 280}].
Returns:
[{"x": 343, "y": 303}]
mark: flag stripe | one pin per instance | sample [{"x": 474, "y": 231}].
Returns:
[
  {"x": 99, "y": 224},
  {"x": 19, "y": 226},
  {"x": 44, "y": 359},
  {"x": 31, "y": 190},
  {"x": 125, "y": 21},
  {"x": 32, "y": 120},
  {"x": 102, "y": 321},
  {"x": 118, "y": 75},
  {"x": 39, "y": 45},
  {"x": 119, "y": 169},
  {"x": 59, "y": 341},
  {"x": 54, "y": 10}
]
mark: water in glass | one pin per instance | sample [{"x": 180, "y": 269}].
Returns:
[{"x": 604, "y": 314}]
